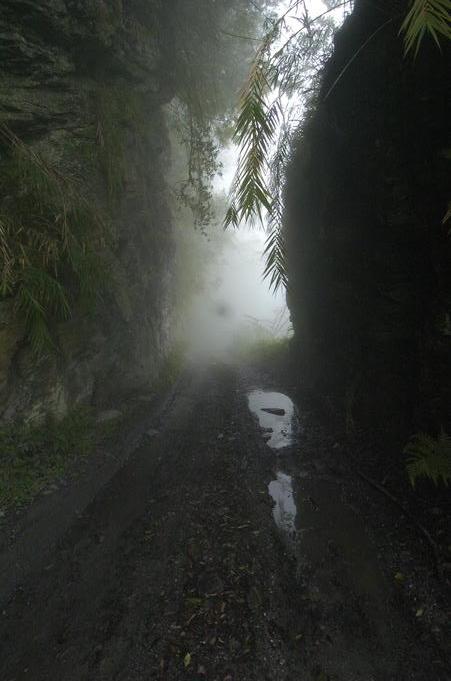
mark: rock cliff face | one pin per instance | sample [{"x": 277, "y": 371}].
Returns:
[
  {"x": 83, "y": 82},
  {"x": 370, "y": 277}
]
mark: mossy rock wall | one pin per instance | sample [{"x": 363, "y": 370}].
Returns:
[
  {"x": 369, "y": 257},
  {"x": 83, "y": 84}
]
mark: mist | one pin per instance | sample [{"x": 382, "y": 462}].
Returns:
[
  {"x": 237, "y": 307},
  {"x": 225, "y": 340}
]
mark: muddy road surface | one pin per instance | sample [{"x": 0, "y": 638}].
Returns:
[{"x": 231, "y": 546}]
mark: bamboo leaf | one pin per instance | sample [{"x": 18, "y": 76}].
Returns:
[{"x": 426, "y": 16}]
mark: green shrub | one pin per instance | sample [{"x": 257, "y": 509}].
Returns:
[
  {"x": 32, "y": 456},
  {"x": 264, "y": 349},
  {"x": 49, "y": 241}
]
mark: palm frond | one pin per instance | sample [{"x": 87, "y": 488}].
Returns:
[
  {"x": 260, "y": 127},
  {"x": 275, "y": 257},
  {"x": 277, "y": 75},
  {"x": 256, "y": 134},
  {"x": 431, "y": 17},
  {"x": 255, "y": 131},
  {"x": 429, "y": 457}
]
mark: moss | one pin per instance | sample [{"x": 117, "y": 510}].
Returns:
[
  {"x": 118, "y": 110},
  {"x": 34, "y": 456}
]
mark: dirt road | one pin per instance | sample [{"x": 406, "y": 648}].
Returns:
[{"x": 212, "y": 556}]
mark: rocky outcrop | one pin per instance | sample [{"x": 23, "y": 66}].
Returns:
[
  {"x": 369, "y": 256},
  {"x": 84, "y": 83}
]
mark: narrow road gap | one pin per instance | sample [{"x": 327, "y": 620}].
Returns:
[{"x": 280, "y": 513}]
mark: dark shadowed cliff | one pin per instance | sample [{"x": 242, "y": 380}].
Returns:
[
  {"x": 370, "y": 278},
  {"x": 86, "y": 210}
]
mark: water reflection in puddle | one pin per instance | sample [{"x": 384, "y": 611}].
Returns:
[
  {"x": 279, "y": 426},
  {"x": 284, "y": 511}
]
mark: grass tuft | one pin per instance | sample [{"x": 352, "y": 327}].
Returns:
[{"x": 34, "y": 456}]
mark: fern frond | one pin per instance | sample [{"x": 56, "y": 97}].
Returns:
[
  {"x": 256, "y": 190},
  {"x": 426, "y": 16},
  {"x": 429, "y": 457},
  {"x": 280, "y": 73},
  {"x": 256, "y": 134},
  {"x": 255, "y": 131},
  {"x": 276, "y": 270}
]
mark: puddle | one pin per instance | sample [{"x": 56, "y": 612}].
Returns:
[
  {"x": 284, "y": 511},
  {"x": 279, "y": 427},
  {"x": 279, "y": 431}
]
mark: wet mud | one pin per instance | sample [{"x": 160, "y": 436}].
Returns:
[{"x": 233, "y": 545}]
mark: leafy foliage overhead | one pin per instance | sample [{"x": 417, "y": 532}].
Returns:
[
  {"x": 273, "y": 100},
  {"x": 286, "y": 63}
]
